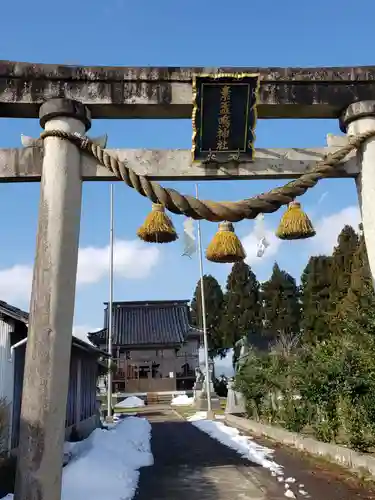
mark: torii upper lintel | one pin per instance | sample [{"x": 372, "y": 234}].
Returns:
[{"x": 165, "y": 92}]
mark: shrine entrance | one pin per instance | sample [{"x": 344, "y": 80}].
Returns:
[{"x": 224, "y": 104}]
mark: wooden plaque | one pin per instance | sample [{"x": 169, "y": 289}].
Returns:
[{"x": 224, "y": 117}]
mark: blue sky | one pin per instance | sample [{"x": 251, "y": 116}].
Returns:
[{"x": 171, "y": 33}]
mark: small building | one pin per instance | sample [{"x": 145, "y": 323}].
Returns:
[
  {"x": 154, "y": 346},
  {"x": 86, "y": 364}
]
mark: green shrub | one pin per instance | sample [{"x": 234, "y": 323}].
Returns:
[
  {"x": 327, "y": 387},
  {"x": 294, "y": 414}
]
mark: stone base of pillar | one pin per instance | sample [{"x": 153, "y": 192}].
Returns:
[
  {"x": 210, "y": 415},
  {"x": 201, "y": 402},
  {"x": 235, "y": 403}
]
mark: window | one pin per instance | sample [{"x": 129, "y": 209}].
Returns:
[
  {"x": 120, "y": 386},
  {"x": 144, "y": 370}
]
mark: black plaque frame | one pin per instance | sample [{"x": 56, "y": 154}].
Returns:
[{"x": 244, "y": 89}]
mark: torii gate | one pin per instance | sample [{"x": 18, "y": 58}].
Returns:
[{"x": 65, "y": 98}]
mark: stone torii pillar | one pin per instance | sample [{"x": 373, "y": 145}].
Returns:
[
  {"x": 46, "y": 378},
  {"x": 358, "y": 118}
]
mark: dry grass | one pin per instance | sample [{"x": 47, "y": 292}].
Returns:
[
  {"x": 138, "y": 409},
  {"x": 188, "y": 411}
]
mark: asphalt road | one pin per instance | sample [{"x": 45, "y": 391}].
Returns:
[{"x": 190, "y": 465}]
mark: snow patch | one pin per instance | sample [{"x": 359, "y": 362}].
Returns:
[
  {"x": 105, "y": 465},
  {"x": 109, "y": 462},
  {"x": 182, "y": 400},
  {"x": 289, "y": 494},
  {"x": 247, "y": 447},
  {"x": 130, "y": 402},
  {"x": 232, "y": 438},
  {"x": 199, "y": 415}
]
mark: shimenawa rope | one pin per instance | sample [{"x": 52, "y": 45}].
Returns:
[{"x": 209, "y": 210}]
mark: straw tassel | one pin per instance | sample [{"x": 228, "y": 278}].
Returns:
[
  {"x": 225, "y": 246},
  {"x": 295, "y": 224},
  {"x": 158, "y": 227}
]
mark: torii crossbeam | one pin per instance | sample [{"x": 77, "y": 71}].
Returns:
[{"x": 26, "y": 164}]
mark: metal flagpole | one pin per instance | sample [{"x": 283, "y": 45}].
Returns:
[
  {"x": 204, "y": 323},
  {"x": 110, "y": 308}
]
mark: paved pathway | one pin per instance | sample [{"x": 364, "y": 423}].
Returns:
[{"x": 189, "y": 465}]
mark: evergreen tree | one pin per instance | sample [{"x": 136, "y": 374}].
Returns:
[
  {"x": 342, "y": 260},
  {"x": 315, "y": 289},
  {"x": 281, "y": 306},
  {"x": 360, "y": 299},
  {"x": 213, "y": 295},
  {"x": 242, "y": 307}
]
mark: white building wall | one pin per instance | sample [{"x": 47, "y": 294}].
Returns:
[
  {"x": 6, "y": 364},
  {"x": 6, "y": 380}
]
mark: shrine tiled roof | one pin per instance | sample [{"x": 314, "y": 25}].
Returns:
[{"x": 147, "y": 323}]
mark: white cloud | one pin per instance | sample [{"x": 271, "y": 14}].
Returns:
[
  {"x": 15, "y": 283},
  {"x": 222, "y": 366},
  {"x": 225, "y": 366},
  {"x": 327, "y": 230},
  {"x": 322, "y": 197},
  {"x": 81, "y": 331},
  {"x": 250, "y": 243},
  {"x": 329, "y": 227},
  {"x": 132, "y": 260}
]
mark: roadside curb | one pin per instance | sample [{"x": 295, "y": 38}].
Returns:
[{"x": 332, "y": 452}]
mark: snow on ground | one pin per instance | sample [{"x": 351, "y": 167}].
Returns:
[
  {"x": 231, "y": 437},
  {"x": 105, "y": 466},
  {"x": 199, "y": 415},
  {"x": 116, "y": 419},
  {"x": 73, "y": 449},
  {"x": 245, "y": 446},
  {"x": 130, "y": 402},
  {"x": 182, "y": 400}
]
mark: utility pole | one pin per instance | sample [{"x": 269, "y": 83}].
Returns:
[
  {"x": 110, "y": 307},
  {"x": 204, "y": 322}
]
